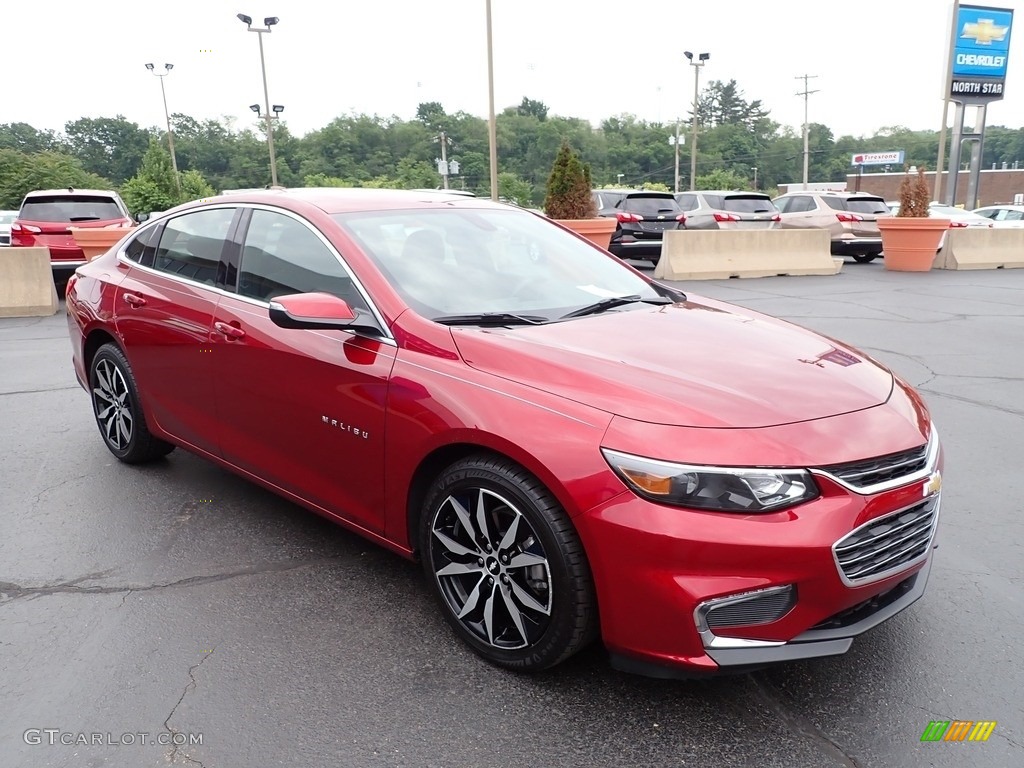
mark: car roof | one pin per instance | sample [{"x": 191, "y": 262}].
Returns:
[
  {"x": 721, "y": 192},
  {"x": 633, "y": 191},
  {"x": 70, "y": 191},
  {"x": 343, "y": 199},
  {"x": 835, "y": 192},
  {"x": 1009, "y": 206}
]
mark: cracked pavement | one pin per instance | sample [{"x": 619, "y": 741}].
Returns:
[{"x": 179, "y": 599}]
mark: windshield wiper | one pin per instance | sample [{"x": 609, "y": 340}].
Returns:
[
  {"x": 491, "y": 318},
  {"x": 615, "y": 301}
]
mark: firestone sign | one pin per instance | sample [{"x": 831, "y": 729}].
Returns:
[
  {"x": 980, "y": 53},
  {"x": 879, "y": 158}
]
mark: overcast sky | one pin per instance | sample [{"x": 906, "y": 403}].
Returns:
[{"x": 877, "y": 62}]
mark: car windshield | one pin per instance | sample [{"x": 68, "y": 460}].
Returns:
[
  {"x": 462, "y": 261},
  {"x": 70, "y": 208},
  {"x": 7, "y": 218},
  {"x": 856, "y": 204},
  {"x": 748, "y": 204}
]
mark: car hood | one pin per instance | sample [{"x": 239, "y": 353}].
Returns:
[{"x": 700, "y": 363}]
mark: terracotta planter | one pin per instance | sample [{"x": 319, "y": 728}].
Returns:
[
  {"x": 910, "y": 244},
  {"x": 95, "y": 241},
  {"x": 598, "y": 231}
]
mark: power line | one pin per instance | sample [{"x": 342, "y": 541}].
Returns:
[{"x": 806, "y": 93}]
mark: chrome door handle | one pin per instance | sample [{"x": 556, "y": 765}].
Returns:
[
  {"x": 231, "y": 331},
  {"x": 134, "y": 301}
]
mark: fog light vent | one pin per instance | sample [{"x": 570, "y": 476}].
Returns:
[{"x": 751, "y": 608}]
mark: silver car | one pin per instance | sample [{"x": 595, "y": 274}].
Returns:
[
  {"x": 851, "y": 219},
  {"x": 728, "y": 209},
  {"x": 1006, "y": 216},
  {"x": 6, "y": 219}
]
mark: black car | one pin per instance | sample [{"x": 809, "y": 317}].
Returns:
[{"x": 643, "y": 217}]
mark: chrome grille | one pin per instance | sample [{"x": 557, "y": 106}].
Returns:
[
  {"x": 888, "y": 544},
  {"x": 883, "y": 469}
]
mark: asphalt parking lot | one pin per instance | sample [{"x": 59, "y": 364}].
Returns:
[{"x": 178, "y": 602}]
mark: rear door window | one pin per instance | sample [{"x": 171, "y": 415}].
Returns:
[
  {"x": 142, "y": 249},
  {"x": 191, "y": 244},
  {"x": 71, "y": 208},
  {"x": 800, "y": 204}
]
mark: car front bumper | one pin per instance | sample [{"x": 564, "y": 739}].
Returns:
[{"x": 657, "y": 570}]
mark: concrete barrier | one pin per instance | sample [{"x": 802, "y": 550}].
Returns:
[
  {"x": 26, "y": 283},
  {"x": 718, "y": 254},
  {"x": 978, "y": 248}
]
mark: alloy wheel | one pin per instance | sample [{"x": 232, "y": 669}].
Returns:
[
  {"x": 491, "y": 568},
  {"x": 113, "y": 405}
]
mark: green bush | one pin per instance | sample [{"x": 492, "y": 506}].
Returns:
[{"x": 568, "y": 194}]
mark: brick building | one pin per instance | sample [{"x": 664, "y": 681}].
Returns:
[{"x": 993, "y": 187}]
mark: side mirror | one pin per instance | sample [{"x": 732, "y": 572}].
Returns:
[
  {"x": 321, "y": 311},
  {"x": 141, "y": 217}
]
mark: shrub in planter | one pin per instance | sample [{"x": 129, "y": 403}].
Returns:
[
  {"x": 568, "y": 194},
  {"x": 911, "y": 238}
]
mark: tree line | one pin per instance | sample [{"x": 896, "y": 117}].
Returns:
[{"x": 736, "y": 136}]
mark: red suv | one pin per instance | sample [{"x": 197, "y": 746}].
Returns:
[{"x": 46, "y": 216}]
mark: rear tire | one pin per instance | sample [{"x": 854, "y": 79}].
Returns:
[
  {"x": 506, "y": 565},
  {"x": 118, "y": 411},
  {"x": 865, "y": 258}
]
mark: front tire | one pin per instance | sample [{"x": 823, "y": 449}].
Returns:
[
  {"x": 506, "y": 565},
  {"x": 118, "y": 411}
]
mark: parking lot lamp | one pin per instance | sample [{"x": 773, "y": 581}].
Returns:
[
  {"x": 697, "y": 63},
  {"x": 167, "y": 117},
  {"x": 268, "y": 22}
]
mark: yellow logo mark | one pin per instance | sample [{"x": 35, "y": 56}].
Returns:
[
  {"x": 933, "y": 484},
  {"x": 984, "y": 31}
]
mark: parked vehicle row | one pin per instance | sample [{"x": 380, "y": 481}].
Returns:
[{"x": 851, "y": 218}]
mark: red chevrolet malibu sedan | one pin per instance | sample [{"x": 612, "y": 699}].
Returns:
[{"x": 572, "y": 450}]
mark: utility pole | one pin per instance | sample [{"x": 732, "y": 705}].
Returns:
[
  {"x": 443, "y": 138},
  {"x": 806, "y": 93},
  {"x": 754, "y": 168},
  {"x": 676, "y": 142}
]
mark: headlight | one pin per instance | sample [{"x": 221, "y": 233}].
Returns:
[{"x": 722, "y": 489}]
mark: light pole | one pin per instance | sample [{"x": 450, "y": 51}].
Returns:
[
  {"x": 492, "y": 130},
  {"x": 167, "y": 117},
  {"x": 754, "y": 169},
  {"x": 700, "y": 62},
  {"x": 269, "y": 21}
]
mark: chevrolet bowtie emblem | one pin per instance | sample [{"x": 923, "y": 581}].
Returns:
[
  {"x": 984, "y": 31},
  {"x": 933, "y": 484}
]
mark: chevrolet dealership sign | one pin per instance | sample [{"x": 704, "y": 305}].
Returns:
[{"x": 980, "y": 51}]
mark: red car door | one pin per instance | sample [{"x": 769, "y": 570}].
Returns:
[
  {"x": 302, "y": 409},
  {"x": 164, "y": 310}
]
